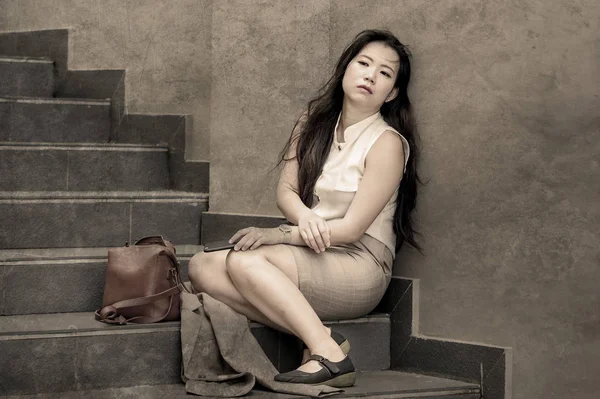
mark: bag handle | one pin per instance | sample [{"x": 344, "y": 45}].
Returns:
[
  {"x": 154, "y": 240},
  {"x": 161, "y": 240},
  {"x": 109, "y": 314},
  {"x": 175, "y": 270}
]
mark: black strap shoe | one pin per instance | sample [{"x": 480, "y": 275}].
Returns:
[{"x": 340, "y": 374}]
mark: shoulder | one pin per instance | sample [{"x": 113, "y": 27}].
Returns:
[
  {"x": 391, "y": 140},
  {"x": 389, "y": 145},
  {"x": 390, "y": 131}
]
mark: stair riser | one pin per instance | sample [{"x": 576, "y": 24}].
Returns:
[
  {"x": 99, "y": 84},
  {"x": 221, "y": 226},
  {"x": 40, "y": 169},
  {"x": 28, "y": 79},
  {"x": 54, "y": 122},
  {"x": 59, "y": 286},
  {"x": 66, "y": 363},
  {"x": 96, "y": 223},
  {"x": 59, "y": 363}
]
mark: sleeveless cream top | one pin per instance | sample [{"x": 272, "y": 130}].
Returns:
[{"x": 343, "y": 171}]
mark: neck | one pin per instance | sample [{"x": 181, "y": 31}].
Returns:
[{"x": 352, "y": 114}]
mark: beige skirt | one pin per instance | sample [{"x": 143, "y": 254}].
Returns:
[{"x": 345, "y": 281}]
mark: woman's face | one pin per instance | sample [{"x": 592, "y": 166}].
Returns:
[{"x": 369, "y": 78}]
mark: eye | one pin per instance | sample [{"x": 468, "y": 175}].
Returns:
[
  {"x": 386, "y": 74},
  {"x": 363, "y": 63}
]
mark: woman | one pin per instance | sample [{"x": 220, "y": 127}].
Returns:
[{"x": 348, "y": 186}]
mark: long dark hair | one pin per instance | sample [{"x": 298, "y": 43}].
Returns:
[{"x": 316, "y": 132}]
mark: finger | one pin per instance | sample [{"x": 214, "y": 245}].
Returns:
[
  {"x": 317, "y": 235},
  {"x": 257, "y": 244},
  {"x": 324, "y": 230},
  {"x": 305, "y": 238},
  {"x": 240, "y": 244},
  {"x": 238, "y": 234},
  {"x": 311, "y": 241},
  {"x": 251, "y": 239}
]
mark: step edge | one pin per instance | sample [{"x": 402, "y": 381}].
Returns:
[
  {"x": 103, "y": 201},
  {"x": 87, "y": 148},
  {"x": 104, "y": 329},
  {"x": 8, "y": 256},
  {"x": 69, "y": 195},
  {"x": 412, "y": 394},
  {"x": 97, "y": 70},
  {"x": 25, "y": 60},
  {"x": 224, "y": 213},
  {"x": 75, "y": 145},
  {"x": 54, "y": 100},
  {"x": 71, "y": 261},
  {"x": 391, "y": 393},
  {"x": 459, "y": 341},
  {"x": 84, "y": 332},
  {"x": 17, "y": 31}
]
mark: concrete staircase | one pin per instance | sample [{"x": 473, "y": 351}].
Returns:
[{"x": 78, "y": 175}]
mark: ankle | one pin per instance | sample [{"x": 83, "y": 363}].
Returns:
[{"x": 330, "y": 350}]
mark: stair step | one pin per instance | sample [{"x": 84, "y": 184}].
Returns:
[
  {"x": 73, "y": 352},
  {"x": 26, "y": 76},
  {"x": 48, "y": 219},
  {"x": 83, "y": 167},
  {"x": 217, "y": 226},
  {"x": 378, "y": 384},
  {"x": 36, "y": 119},
  {"x": 45, "y": 271},
  {"x": 52, "y": 44}
]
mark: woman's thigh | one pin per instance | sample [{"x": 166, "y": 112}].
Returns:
[
  {"x": 279, "y": 256},
  {"x": 340, "y": 283}
]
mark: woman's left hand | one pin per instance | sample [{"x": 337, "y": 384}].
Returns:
[{"x": 254, "y": 237}]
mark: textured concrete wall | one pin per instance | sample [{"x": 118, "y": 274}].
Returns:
[
  {"x": 164, "y": 46},
  {"x": 269, "y": 57},
  {"x": 506, "y": 97}
]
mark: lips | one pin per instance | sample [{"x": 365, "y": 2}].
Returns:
[{"x": 366, "y": 88}]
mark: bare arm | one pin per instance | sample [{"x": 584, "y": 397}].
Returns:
[
  {"x": 383, "y": 172},
  {"x": 288, "y": 193},
  {"x": 312, "y": 230}
]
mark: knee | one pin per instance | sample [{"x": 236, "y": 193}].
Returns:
[
  {"x": 239, "y": 264},
  {"x": 203, "y": 271}
]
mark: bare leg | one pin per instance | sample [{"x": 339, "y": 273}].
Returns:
[
  {"x": 208, "y": 274},
  {"x": 306, "y": 351},
  {"x": 267, "y": 278}
]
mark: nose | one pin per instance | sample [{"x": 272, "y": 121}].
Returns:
[{"x": 370, "y": 76}]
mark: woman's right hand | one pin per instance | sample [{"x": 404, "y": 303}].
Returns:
[{"x": 315, "y": 231}]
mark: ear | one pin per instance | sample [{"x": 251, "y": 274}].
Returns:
[{"x": 392, "y": 95}]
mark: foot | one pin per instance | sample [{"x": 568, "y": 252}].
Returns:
[
  {"x": 336, "y": 374},
  {"x": 329, "y": 350},
  {"x": 337, "y": 337},
  {"x": 306, "y": 352}
]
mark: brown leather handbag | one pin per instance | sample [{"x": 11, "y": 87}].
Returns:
[{"x": 142, "y": 283}]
